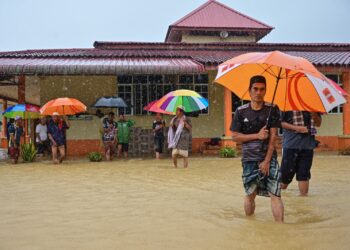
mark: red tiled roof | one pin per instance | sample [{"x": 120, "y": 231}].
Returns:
[
  {"x": 217, "y": 15},
  {"x": 212, "y": 53},
  {"x": 214, "y": 15}
]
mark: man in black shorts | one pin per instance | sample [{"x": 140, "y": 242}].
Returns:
[
  {"x": 259, "y": 160},
  {"x": 298, "y": 147}
]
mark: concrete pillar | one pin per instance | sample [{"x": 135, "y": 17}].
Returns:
[
  {"x": 227, "y": 111},
  {"x": 346, "y": 108},
  {"x": 228, "y": 119},
  {"x": 3, "y": 135},
  {"x": 21, "y": 92},
  {"x": 4, "y": 120},
  {"x": 21, "y": 89}
]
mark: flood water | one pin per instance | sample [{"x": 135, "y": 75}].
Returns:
[{"x": 146, "y": 204}]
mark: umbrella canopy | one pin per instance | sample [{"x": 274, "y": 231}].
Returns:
[
  {"x": 293, "y": 83},
  {"x": 337, "y": 87},
  {"x": 63, "y": 106},
  {"x": 189, "y": 100},
  {"x": 152, "y": 107},
  {"x": 26, "y": 111},
  {"x": 110, "y": 102}
]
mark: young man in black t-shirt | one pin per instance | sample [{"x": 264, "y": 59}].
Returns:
[{"x": 257, "y": 133}]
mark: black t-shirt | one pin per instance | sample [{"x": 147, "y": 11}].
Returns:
[
  {"x": 156, "y": 124},
  {"x": 249, "y": 121}
]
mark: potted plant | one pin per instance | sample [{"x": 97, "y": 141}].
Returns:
[
  {"x": 95, "y": 156},
  {"x": 227, "y": 152},
  {"x": 28, "y": 152}
]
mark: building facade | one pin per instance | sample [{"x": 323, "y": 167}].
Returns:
[{"x": 142, "y": 72}]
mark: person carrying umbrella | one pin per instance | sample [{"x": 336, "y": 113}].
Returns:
[
  {"x": 109, "y": 137},
  {"x": 298, "y": 147},
  {"x": 259, "y": 159},
  {"x": 15, "y": 131},
  {"x": 57, "y": 135},
  {"x": 179, "y": 135}
]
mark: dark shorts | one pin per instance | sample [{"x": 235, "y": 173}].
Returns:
[
  {"x": 58, "y": 144},
  {"x": 124, "y": 146},
  {"x": 296, "y": 162},
  {"x": 43, "y": 147},
  {"x": 109, "y": 146},
  {"x": 158, "y": 144},
  {"x": 13, "y": 153},
  {"x": 253, "y": 180}
]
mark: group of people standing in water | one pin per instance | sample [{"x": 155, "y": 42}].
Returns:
[
  {"x": 117, "y": 134},
  {"x": 255, "y": 125}
]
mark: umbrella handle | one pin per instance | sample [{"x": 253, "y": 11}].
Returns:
[
  {"x": 268, "y": 126},
  {"x": 264, "y": 143}
]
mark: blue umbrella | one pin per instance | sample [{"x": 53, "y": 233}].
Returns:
[{"x": 110, "y": 102}]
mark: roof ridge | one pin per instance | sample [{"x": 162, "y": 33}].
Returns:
[
  {"x": 201, "y": 7},
  {"x": 241, "y": 14},
  {"x": 192, "y": 12}
]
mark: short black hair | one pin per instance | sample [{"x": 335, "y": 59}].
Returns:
[
  {"x": 257, "y": 79},
  {"x": 111, "y": 113}
]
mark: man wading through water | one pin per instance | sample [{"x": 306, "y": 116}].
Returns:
[{"x": 261, "y": 174}]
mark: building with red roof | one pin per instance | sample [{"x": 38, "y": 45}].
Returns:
[{"x": 142, "y": 72}]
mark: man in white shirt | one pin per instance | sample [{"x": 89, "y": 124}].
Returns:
[{"x": 41, "y": 137}]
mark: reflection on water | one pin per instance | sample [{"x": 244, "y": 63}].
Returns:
[{"x": 145, "y": 204}]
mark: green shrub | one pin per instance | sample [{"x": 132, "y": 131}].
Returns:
[
  {"x": 28, "y": 152},
  {"x": 95, "y": 156},
  {"x": 345, "y": 151},
  {"x": 228, "y": 152}
]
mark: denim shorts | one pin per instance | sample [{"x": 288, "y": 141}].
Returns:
[{"x": 254, "y": 180}]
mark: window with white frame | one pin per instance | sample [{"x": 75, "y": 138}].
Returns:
[
  {"x": 337, "y": 78},
  {"x": 139, "y": 90},
  {"x": 237, "y": 102}
]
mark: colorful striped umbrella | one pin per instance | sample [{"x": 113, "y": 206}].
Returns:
[
  {"x": 63, "y": 106},
  {"x": 26, "y": 111},
  {"x": 189, "y": 100},
  {"x": 152, "y": 107}
]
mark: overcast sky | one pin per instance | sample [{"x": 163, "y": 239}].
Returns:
[{"x": 40, "y": 24}]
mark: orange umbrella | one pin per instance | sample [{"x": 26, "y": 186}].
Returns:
[
  {"x": 63, "y": 106},
  {"x": 293, "y": 83}
]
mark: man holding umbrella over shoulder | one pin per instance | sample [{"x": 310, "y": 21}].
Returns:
[
  {"x": 57, "y": 135},
  {"x": 259, "y": 160}
]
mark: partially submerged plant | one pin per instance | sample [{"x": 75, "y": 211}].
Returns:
[
  {"x": 28, "y": 152},
  {"x": 95, "y": 156},
  {"x": 228, "y": 152}
]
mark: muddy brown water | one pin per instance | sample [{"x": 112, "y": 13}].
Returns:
[{"x": 146, "y": 204}]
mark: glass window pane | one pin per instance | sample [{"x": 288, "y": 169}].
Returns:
[
  {"x": 202, "y": 78},
  {"x": 140, "y": 79},
  {"x": 124, "y": 79},
  {"x": 173, "y": 79},
  {"x": 155, "y": 79},
  {"x": 185, "y": 79}
]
